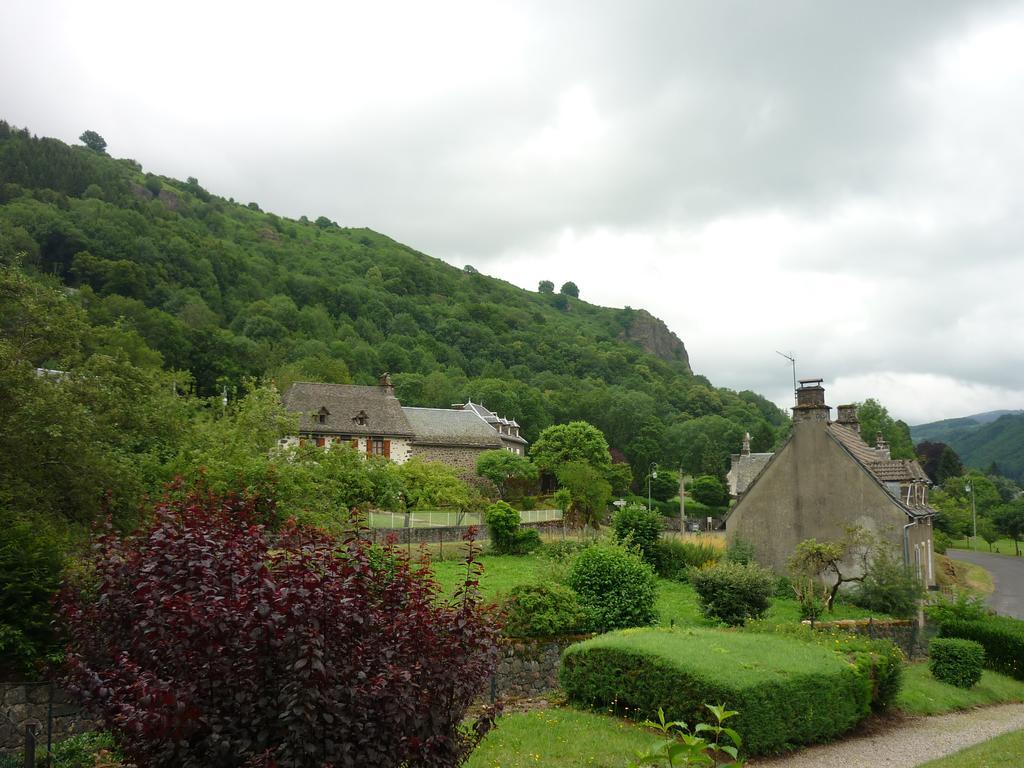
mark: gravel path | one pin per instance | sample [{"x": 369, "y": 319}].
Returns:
[{"x": 909, "y": 742}]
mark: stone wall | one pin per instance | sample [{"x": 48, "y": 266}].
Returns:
[
  {"x": 22, "y": 703},
  {"x": 911, "y": 638},
  {"x": 459, "y": 458},
  {"x": 529, "y": 666},
  {"x": 452, "y": 533}
]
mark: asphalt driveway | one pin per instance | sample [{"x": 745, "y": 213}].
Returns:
[{"x": 1007, "y": 574}]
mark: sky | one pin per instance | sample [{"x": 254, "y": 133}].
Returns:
[{"x": 842, "y": 182}]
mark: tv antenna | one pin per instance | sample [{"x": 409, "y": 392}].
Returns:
[{"x": 792, "y": 362}]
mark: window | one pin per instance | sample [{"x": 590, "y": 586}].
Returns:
[
  {"x": 321, "y": 442},
  {"x": 378, "y": 446}
]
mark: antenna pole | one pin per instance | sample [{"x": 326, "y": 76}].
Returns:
[{"x": 792, "y": 361}]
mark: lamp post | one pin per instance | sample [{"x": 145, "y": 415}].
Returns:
[
  {"x": 974, "y": 515},
  {"x": 652, "y": 472}
]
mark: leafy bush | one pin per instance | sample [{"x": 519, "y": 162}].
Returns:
[
  {"x": 733, "y": 593},
  {"x": 963, "y": 607},
  {"x": 740, "y": 551},
  {"x": 1000, "y": 636},
  {"x": 955, "y": 661},
  {"x": 709, "y": 490},
  {"x": 672, "y": 558},
  {"x": 528, "y": 502},
  {"x": 787, "y": 691},
  {"x": 543, "y": 610},
  {"x": 941, "y": 541},
  {"x": 880, "y": 662},
  {"x": 202, "y": 641},
  {"x": 507, "y": 536},
  {"x": 682, "y": 745},
  {"x": 640, "y": 527},
  {"x": 615, "y": 587},
  {"x": 81, "y": 750},
  {"x": 889, "y": 587}
]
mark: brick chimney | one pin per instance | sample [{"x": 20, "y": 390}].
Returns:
[
  {"x": 847, "y": 415},
  {"x": 745, "y": 450},
  {"x": 881, "y": 447},
  {"x": 385, "y": 383},
  {"x": 810, "y": 402}
]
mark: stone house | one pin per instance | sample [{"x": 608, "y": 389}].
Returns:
[
  {"x": 744, "y": 468},
  {"x": 825, "y": 479},
  {"x": 373, "y": 421}
]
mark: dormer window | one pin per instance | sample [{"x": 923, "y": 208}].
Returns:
[
  {"x": 361, "y": 418},
  {"x": 321, "y": 416}
]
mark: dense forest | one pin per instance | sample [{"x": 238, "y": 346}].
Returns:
[
  {"x": 994, "y": 440},
  {"x": 173, "y": 277}
]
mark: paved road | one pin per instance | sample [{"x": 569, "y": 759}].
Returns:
[{"x": 1007, "y": 574}]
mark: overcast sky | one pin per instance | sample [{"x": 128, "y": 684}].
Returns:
[{"x": 839, "y": 180}]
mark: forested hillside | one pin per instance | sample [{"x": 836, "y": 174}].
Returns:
[
  {"x": 982, "y": 440},
  {"x": 174, "y": 277}
]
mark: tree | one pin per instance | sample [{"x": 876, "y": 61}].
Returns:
[
  {"x": 588, "y": 494},
  {"x": 509, "y": 471},
  {"x": 824, "y": 563},
  {"x": 576, "y": 441},
  {"x": 569, "y": 289},
  {"x": 949, "y": 465},
  {"x": 988, "y": 531},
  {"x": 546, "y": 286},
  {"x": 201, "y": 640},
  {"x": 874, "y": 418},
  {"x": 1009, "y": 520},
  {"x": 94, "y": 141},
  {"x": 710, "y": 491}
]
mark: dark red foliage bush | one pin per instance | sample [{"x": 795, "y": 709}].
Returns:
[{"x": 202, "y": 641}]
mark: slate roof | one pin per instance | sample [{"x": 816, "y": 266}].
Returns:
[
  {"x": 441, "y": 426},
  {"x": 745, "y": 469},
  {"x": 493, "y": 419},
  {"x": 886, "y": 470},
  {"x": 343, "y": 404}
]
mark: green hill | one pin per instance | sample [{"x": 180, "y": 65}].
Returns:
[
  {"x": 995, "y": 437},
  {"x": 223, "y": 291}
]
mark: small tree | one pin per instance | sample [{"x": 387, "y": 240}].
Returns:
[
  {"x": 569, "y": 289},
  {"x": 546, "y": 286},
  {"x": 817, "y": 563},
  {"x": 509, "y": 471},
  {"x": 93, "y": 141},
  {"x": 507, "y": 535},
  {"x": 202, "y": 641},
  {"x": 640, "y": 527},
  {"x": 588, "y": 494},
  {"x": 1010, "y": 522},
  {"x": 988, "y": 531}
]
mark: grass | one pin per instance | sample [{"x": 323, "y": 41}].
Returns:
[
  {"x": 560, "y": 738},
  {"x": 922, "y": 694},
  {"x": 676, "y": 601},
  {"x": 1000, "y": 752},
  {"x": 1001, "y": 547}
]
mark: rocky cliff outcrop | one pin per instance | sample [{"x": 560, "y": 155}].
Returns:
[{"x": 650, "y": 333}]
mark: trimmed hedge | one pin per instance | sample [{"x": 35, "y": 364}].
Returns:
[
  {"x": 787, "y": 691},
  {"x": 1000, "y": 636},
  {"x": 955, "y": 661}
]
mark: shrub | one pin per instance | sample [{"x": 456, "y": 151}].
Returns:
[
  {"x": 543, "y": 610},
  {"x": 640, "y": 527},
  {"x": 787, "y": 691},
  {"x": 740, "y": 551},
  {"x": 528, "y": 502},
  {"x": 964, "y": 607},
  {"x": 889, "y": 587},
  {"x": 81, "y": 750},
  {"x": 941, "y": 541},
  {"x": 615, "y": 587},
  {"x": 733, "y": 593},
  {"x": 671, "y": 558},
  {"x": 709, "y": 490},
  {"x": 955, "y": 661},
  {"x": 201, "y": 641},
  {"x": 507, "y": 537},
  {"x": 1000, "y": 636}
]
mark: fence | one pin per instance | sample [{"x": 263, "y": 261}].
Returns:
[{"x": 32, "y": 717}]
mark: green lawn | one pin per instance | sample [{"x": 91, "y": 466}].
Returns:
[
  {"x": 1001, "y": 752},
  {"x": 1002, "y": 547},
  {"x": 560, "y": 738},
  {"x": 676, "y": 602},
  {"x": 922, "y": 694}
]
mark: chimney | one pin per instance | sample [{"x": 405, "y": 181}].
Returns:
[
  {"x": 847, "y": 415},
  {"x": 881, "y": 446},
  {"x": 745, "y": 451},
  {"x": 810, "y": 402},
  {"x": 385, "y": 382}
]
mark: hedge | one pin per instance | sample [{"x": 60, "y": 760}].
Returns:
[
  {"x": 956, "y": 661},
  {"x": 1000, "y": 636},
  {"x": 787, "y": 691}
]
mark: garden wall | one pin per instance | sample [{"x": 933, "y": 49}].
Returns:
[
  {"x": 23, "y": 703},
  {"x": 529, "y": 666},
  {"x": 906, "y": 634},
  {"x": 453, "y": 533}
]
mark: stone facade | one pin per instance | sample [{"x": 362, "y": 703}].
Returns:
[
  {"x": 400, "y": 449},
  {"x": 460, "y": 458},
  {"x": 25, "y": 703}
]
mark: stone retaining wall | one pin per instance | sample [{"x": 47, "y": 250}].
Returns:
[
  {"x": 452, "y": 533},
  {"x": 24, "y": 703},
  {"x": 911, "y": 638},
  {"x": 529, "y": 666}
]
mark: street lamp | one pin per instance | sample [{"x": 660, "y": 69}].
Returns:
[
  {"x": 652, "y": 472},
  {"x": 974, "y": 515}
]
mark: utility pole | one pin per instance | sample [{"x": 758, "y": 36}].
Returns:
[
  {"x": 974, "y": 515},
  {"x": 682, "y": 503}
]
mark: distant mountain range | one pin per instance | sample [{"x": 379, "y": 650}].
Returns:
[{"x": 981, "y": 439}]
